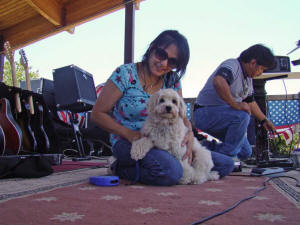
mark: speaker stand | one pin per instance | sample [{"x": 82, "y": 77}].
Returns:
[{"x": 78, "y": 139}]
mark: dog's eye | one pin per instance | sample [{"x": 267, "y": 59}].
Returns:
[
  {"x": 174, "y": 101},
  {"x": 161, "y": 100}
]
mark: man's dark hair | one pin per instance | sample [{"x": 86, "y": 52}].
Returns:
[
  {"x": 262, "y": 54},
  {"x": 164, "y": 40}
]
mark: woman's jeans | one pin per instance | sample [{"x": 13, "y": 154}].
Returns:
[
  {"x": 229, "y": 126},
  {"x": 158, "y": 167}
]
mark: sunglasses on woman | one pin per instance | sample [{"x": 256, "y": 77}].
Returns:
[{"x": 161, "y": 54}]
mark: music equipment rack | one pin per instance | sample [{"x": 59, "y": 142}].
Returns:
[
  {"x": 8, "y": 92},
  {"x": 47, "y": 93}
]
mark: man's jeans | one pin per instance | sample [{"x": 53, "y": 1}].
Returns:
[
  {"x": 229, "y": 126},
  {"x": 158, "y": 167}
]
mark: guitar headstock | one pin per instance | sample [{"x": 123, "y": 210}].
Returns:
[
  {"x": 23, "y": 60},
  {"x": 9, "y": 53}
]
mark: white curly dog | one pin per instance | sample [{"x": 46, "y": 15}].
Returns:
[{"x": 164, "y": 129}]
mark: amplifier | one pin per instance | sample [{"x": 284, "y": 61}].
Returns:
[
  {"x": 282, "y": 64},
  {"x": 74, "y": 89},
  {"x": 44, "y": 87}
]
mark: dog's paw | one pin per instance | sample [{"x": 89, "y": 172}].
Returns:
[
  {"x": 186, "y": 180},
  {"x": 139, "y": 149},
  {"x": 213, "y": 175},
  {"x": 199, "y": 178},
  {"x": 136, "y": 152}
]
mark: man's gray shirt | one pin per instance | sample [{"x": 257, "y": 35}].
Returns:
[{"x": 240, "y": 85}]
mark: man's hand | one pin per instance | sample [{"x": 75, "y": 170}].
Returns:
[
  {"x": 243, "y": 106},
  {"x": 269, "y": 126},
  {"x": 223, "y": 90},
  {"x": 188, "y": 141}
]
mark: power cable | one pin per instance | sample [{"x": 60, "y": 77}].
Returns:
[{"x": 245, "y": 199}]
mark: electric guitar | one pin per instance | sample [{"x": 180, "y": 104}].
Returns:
[
  {"x": 37, "y": 139},
  {"x": 29, "y": 140},
  {"x": 43, "y": 143},
  {"x": 13, "y": 133}
]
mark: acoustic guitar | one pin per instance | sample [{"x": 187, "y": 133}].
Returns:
[
  {"x": 24, "y": 118},
  {"x": 9, "y": 53},
  {"x": 12, "y": 131},
  {"x": 2, "y": 141}
]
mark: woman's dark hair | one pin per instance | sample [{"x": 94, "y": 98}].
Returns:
[
  {"x": 164, "y": 40},
  {"x": 262, "y": 54}
]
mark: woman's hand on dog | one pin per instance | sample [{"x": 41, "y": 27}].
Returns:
[
  {"x": 133, "y": 135},
  {"x": 188, "y": 141}
]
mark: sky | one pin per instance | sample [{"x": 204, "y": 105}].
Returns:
[{"x": 216, "y": 30}]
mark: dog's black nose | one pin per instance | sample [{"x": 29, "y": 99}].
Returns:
[{"x": 168, "y": 109}]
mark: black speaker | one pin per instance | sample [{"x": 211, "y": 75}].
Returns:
[
  {"x": 74, "y": 89},
  {"x": 282, "y": 64},
  {"x": 45, "y": 87}
]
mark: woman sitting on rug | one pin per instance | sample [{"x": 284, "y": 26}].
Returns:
[{"x": 121, "y": 110}]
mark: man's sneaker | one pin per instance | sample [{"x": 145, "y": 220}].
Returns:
[{"x": 237, "y": 165}]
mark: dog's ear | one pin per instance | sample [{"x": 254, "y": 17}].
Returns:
[
  {"x": 182, "y": 107},
  {"x": 152, "y": 102}
]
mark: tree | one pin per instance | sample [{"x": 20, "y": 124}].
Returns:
[{"x": 20, "y": 73}]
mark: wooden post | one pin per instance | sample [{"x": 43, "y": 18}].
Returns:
[{"x": 129, "y": 31}]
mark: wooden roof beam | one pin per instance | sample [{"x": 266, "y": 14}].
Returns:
[
  {"x": 31, "y": 30},
  {"x": 79, "y": 12},
  {"x": 49, "y": 9},
  {"x": 137, "y": 4}
]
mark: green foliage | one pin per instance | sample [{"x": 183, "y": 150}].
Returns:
[
  {"x": 278, "y": 145},
  {"x": 20, "y": 73}
]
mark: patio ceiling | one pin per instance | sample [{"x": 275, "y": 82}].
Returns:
[{"x": 23, "y": 22}]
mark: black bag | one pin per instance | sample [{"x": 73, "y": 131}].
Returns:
[{"x": 29, "y": 167}]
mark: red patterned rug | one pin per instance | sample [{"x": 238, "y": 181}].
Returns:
[{"x": 68, "y": 198}]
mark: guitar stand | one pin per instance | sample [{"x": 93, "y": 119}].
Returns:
[
  {"x": 263, "y": 158},
  {"x": 274, "y": 162},
  {"x": 78, "y": 139}
]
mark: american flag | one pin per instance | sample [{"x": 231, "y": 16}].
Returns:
[{"x": 284, "y": 114}]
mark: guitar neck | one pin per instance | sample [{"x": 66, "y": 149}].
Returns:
[
  {"x": 28, "y": 87},
  {"x": 24, "y": 63},
  {"x": 15, "y": 84},
  {"x": 9, "y": 53}
]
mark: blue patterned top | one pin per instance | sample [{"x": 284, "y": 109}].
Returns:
[{"x": 130, "y": 111}]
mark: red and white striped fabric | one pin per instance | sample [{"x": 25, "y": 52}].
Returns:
[
  {"x": 99, "y": 89},
  {"x": 287, "y": 132},
  {"x": 66, "y": 116}
]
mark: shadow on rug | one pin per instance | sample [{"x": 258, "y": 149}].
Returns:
[{"x": 68, "y": 165}]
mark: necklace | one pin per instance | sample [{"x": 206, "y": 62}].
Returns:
[{"x": 148, "y": 87}]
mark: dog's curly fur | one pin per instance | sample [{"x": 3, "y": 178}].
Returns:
[{"x": 164, "y": 129}]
